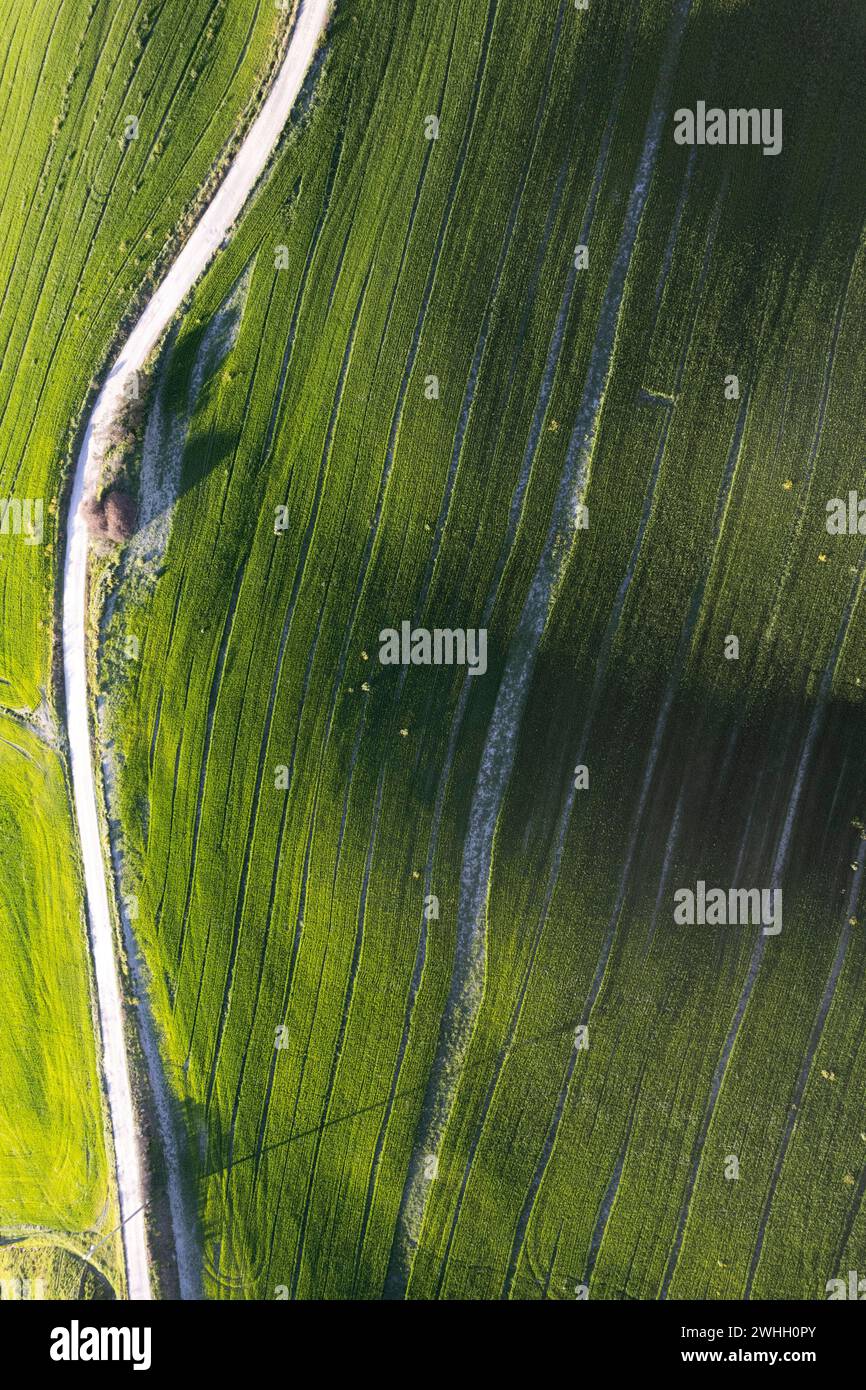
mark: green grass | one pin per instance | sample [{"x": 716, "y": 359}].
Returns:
[
  {"x": 54, "y": 1172},
  {"x": 86, "y": 221},
  {"x": 262, "y": 908},
  {"x": 86, "y": 216},
  {"x": 36, "y": 1268},
  {"x": 303, "y": 908}
]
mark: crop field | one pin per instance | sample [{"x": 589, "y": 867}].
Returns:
[
  {"x": 423, "y": 951},
  {"x": 112, "y": 118},
  {"x": 36, "y": 1268},
  {"x": 54, "y": 1172},
  {"x": 421, "y": 992}
]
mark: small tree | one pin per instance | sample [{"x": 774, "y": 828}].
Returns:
[{"x": 120, "y": 515}]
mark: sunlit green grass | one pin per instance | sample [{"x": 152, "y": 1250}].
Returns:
[
  {"x": 113, "y": 117},
  {"x": 54, "y": 1171},
  {"x": 262, "y": 907}
]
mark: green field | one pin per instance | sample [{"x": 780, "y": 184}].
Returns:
[
  {"x": 289, "y": 804},
  {"x": 87, "y": 217},
  {"x": 35, "y": 1268},
  {"x": 54, "y": 1173},
  {"x": 87, "y": 214},
  {"x": 429, "y": 1024}
]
